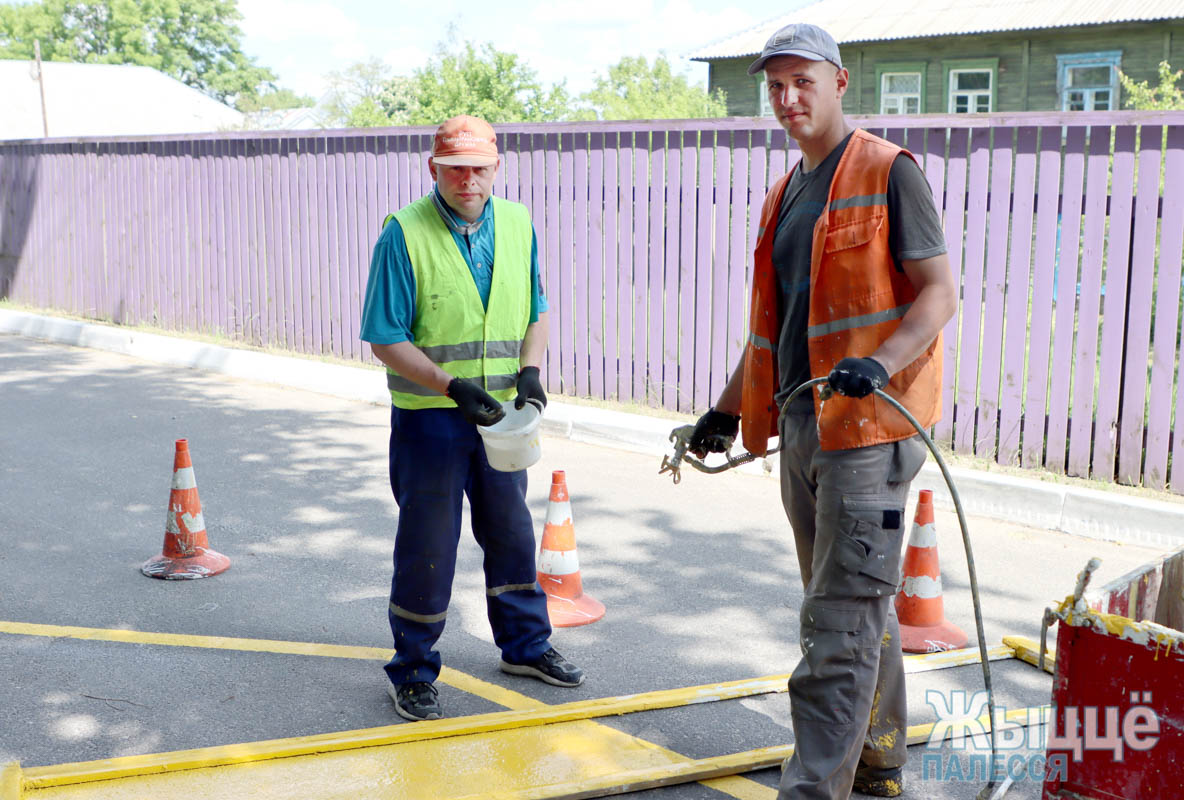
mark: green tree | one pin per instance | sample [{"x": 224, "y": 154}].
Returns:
[
  {"x": 197, "y": 42},
  {"x": 365, "y": 95},
  {"x": 486, "y": 83},
  {"x": 1167, "y": 96},
  {"x": 633, "y": 89}
]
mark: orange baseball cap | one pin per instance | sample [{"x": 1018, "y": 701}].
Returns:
[{"x": 465, "y": 141}]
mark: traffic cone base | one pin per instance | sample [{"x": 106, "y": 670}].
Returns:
[
  {"x": 205, "y": 564},
  {"x": 559, "y": 566},
  {"x": 186, "y": 554},
  {"x": 919, "y": 606}
]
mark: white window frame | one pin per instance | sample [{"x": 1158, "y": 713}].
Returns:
[
  {"x": 764, "y": 107},
  {"x": 1107, "y": 58},
  {"x": 974, "y": 93},
  {"x": 885, "y": 95}
]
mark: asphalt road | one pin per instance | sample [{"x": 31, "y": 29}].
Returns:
[{"x": 700, "y": 580}]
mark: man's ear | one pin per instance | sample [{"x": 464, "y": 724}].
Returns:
[
  {"x": 842, "y": 80},
  {"x": 432, "y": 167}
]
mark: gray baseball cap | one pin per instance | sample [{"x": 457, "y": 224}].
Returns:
[{"x": 799, "y": 39}]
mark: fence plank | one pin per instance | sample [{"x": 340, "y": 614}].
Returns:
[
  {"x": 975, "y": 232},
  {"x": 583, "y": 289},
  {"x": 674, "y": 200},
  {"x": 1165, "y": 358},
  {"x": 1065, "y": 297},
  {"x": 718, "y": 262},
  {"x": 617, "y": 273},
  {"x": 599, "y": 311},
  {"x": 934, "y": 162},
  {"x": 954, "y": 220},
  {"x": 1043, "y": 273},
  {"x": 655, "y": 191},
  {"x": 1088, "y": 324},
  {"x": 634, "y": 197},
  {"x": 699, "y": 319},
  {"x": 1115, "y": 274},
  {"x": 994, "y": 296},
  {"x": 743, "y": 203},
  {"x": 684, "y": 320},
  {"x": 547, "y": 175},
  {"x": 624, "y": 360},
  {"x": 1019, "y": 279},
  {"x": 1139, "y": 304}
]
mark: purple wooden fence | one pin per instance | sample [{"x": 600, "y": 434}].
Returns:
[{"x": 1064, "y": 354}]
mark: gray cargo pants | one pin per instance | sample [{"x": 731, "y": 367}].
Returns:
[{"x": 847, "y": 694}]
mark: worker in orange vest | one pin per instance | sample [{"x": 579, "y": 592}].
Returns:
[{"x": 851, "y": 282}]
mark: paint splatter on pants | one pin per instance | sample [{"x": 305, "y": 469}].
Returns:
[
  {"x": 847, "y": 694},
  {"x": 436, "y": 458}
]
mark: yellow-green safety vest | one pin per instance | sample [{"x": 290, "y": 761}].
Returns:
[{"x": 451, "y": 326}]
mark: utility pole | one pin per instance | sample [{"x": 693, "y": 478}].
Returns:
[{"x": 41, "y": 84}]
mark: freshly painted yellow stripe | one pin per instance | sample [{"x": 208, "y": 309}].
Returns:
[
  {"x": 451, "y": 677},
  {"x": 1028, "y": 651},
  {"x": 656, "y": 777},
  {"x": 249, "y": 752},
  {"x": 925, "y": 662},
  {"x": 10, "y": 781},
  {"x": 526, "y": 712},
  {"x": 224, "y": 755}
]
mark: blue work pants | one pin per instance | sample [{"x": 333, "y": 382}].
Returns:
[{"x": 436, "y": 457}]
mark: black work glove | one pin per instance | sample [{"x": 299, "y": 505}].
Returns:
[
  {"x": 529, "y": 388},
  {"x": 858, "y": 377},
  {"x": 476, "y": 404},
  {"x": 714, "y": 433}
]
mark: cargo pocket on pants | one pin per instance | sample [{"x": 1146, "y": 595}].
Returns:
[
  {"x": 822, "y": 687},
  {"x": 867, "y": 547}
]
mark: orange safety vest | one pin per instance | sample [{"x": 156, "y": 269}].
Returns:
[{"x": 857, "y": 299}]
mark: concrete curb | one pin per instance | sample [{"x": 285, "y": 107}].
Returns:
[{"x": 1040, "y": 504}]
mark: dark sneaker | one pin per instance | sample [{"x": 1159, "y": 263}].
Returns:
[
  {"x": 415, "y": 701},
  {"x": 550, "y": 667},
  {"x": 883, "y": 782}
]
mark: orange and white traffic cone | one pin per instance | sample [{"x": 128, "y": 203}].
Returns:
[
  {"x": 919, "y": 607},
  {"x": 186, "y": 554},
  {"x": 558, "y": 565}
]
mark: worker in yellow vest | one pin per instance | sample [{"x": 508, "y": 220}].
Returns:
[
  {"x": 851, "y": 282},
  {"x": 455, "y": 310}
]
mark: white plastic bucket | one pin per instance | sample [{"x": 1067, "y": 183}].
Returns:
[{"x": 513, "y": 443}]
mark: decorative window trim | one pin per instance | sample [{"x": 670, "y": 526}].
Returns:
[
  {"x": 1103, "y": 58},
  {"x": 971, "y": 65},
  {"x": 900, "y": 66},
  {"x": 763, "y": 107}
]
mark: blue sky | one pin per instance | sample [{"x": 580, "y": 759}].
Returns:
[{"x": 303, "y": 40}]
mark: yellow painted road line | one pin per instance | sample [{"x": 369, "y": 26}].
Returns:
[
  {"x": 1028, "y": 651},
  {"x": 10, "y": 781},
  {"x": 253, "y": 751},
  {"x": 225, "y": 755},
  {"x": 656, "y": 777},
  {"x": 747, "y": 761},
  {"x": 526, "y": 712},
  {"x": 451, "y": 677},
  {"x": 926, "y": 662}
]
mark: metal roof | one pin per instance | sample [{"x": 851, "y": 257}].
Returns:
[
  {"x": 104, "y": 100},
  {"x": 879, "y": 20}
]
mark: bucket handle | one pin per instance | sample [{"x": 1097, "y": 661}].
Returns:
[{"x": 537, "y": 404}]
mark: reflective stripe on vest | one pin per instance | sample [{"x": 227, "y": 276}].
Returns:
[
  {"x": 451, "y": 326},
  {"x": 857, "y": 299}
]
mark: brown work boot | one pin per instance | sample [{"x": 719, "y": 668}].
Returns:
[{"x": 879, "y": 781}]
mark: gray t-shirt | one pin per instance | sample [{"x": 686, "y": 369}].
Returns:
[{"x": 914, "y": 232}]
